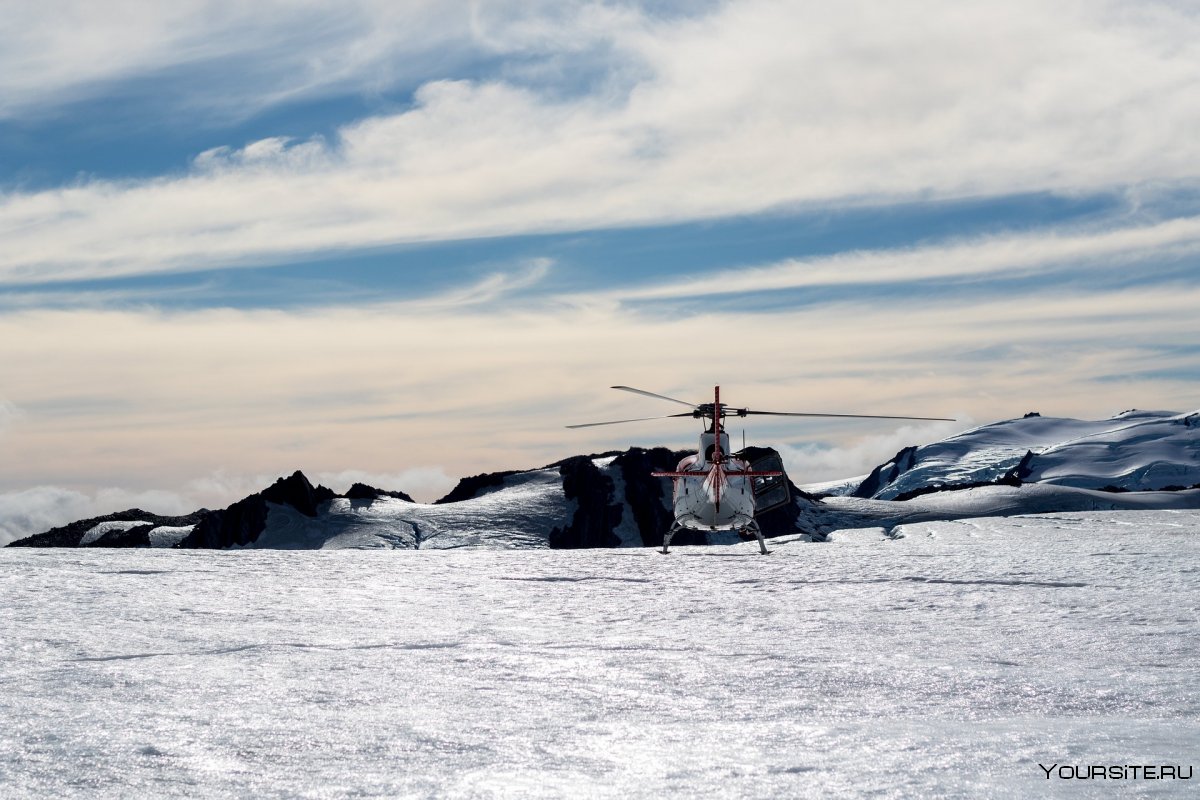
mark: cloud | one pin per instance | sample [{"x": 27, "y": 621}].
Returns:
[
  {"x": 728, "y": 109},
  {"x": 223, "y": 58},
  {"x": 149, "y": 398},
  {"x": 1010, "y": 255},
  {"x": 814, "y": 463},
  {"x": 8, "y": 413},
  {"x": 29, "y": 511},
  {"x": 748, "y": 107},
  {"x": 489, "y": 289}
]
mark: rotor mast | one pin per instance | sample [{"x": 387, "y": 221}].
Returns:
[{"x": 717, "y": 477}]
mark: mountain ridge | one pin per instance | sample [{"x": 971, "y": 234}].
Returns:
[{"x": 1031, "y": 464}]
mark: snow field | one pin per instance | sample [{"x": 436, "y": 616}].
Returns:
[{"x": 946, "y": 662}]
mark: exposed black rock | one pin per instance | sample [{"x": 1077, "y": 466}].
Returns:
[
  {"x": 69, "y": 535},
  {"x": 886, "y": 473},
  {"x": 475, "y": 486},
  {"x": 1007, "y": 479},
  {"x": 1031, "y": 414},
  {"x": 1022, "y": 470},
  {"x": 239, "y": 524},
  {"x": 361, "y": 491},
  {"x": 649, "y": 498},
  {"x": 596, "y": 516},
  {"x": 297, "y": 492},
  {"x": 244, "y": 521},
  {"x": 589, "y": 456}
]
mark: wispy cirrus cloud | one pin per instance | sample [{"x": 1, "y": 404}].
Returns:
[
  {"x": 229, "y": 59},
  {"x": 1113, "y": 246},
  {"x": 742, "y": 108}
]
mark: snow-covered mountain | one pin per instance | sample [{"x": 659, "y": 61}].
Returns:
[
  {"x": 607, "y": 500},
  {"x": 1133, "y": 451},
  {"x": 1137, "y": 460}
]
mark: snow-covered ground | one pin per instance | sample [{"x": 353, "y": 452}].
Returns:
[
  {"x": 1135, "y": 450},
  {"x": 948, "y": 661},
  {"x": 517, "y": 515}
]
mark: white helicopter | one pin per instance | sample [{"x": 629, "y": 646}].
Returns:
[{"x": 713, "y": 489}]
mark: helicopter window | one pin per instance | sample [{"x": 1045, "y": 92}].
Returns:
[
  {"x": 708, "y": 453},
  {"x": 763, "y": 485}
]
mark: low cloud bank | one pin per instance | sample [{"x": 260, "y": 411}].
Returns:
[
  {"x": 41, "y": 508},
  {"x": 815, "y": 463}
]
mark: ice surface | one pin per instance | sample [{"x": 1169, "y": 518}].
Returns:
[
  {"x": 841, "y": 486},
  {"x": 96, "y": 532},
  {"x": 946, "y": 660},
  {"x": 518, "y": 514},
  {"x": 169, "y": 535},
  {"x": 1137, "y": 450}
]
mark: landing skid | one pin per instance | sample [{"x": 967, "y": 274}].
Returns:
[
  {"x": 762, "y": 546},
  {"x": 675, "y": 528},
  {"x": 753, "y": 526}
]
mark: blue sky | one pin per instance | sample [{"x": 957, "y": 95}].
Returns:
[{"x": 410, "y": 241}]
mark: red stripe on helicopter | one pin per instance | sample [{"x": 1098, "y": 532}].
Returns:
[{"x": 740, "y": 473}]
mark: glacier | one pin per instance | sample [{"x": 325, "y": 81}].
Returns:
[
  {"x": 923, "y": 658},
  {"x": 1133, "y": 451}
]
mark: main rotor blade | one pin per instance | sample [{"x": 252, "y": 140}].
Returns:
[
  {"x": 652, "y": 394},
  {"x": 619, "y": 421},
  {"x": 844, "y": 416}
]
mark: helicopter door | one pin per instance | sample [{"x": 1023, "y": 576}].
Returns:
[{"x": 770, "y": 493}]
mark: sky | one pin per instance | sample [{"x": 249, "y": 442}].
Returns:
[{"x": 404, "y": 242}]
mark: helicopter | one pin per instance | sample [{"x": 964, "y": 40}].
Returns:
[{"x": 714, "y": 489}]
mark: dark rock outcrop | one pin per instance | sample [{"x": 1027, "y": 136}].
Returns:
[
  {"x": 244, "y": 521},
  {"x": 476, "y": 485},
  {"x": 361, "y": 491},
  {"x": 596, "y": 515},
  {"x": 240, "y": 524},
  {"x": 887, "y": 472},
  {"x": 1007, "y": 479},
  {"x": 649, "y": 498},
  {"x": 297, "y": 492},
  {"x": 1021, "y": 471}
]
